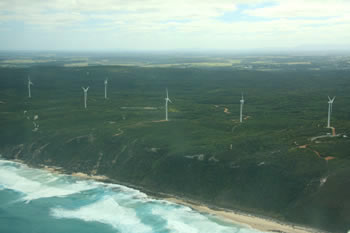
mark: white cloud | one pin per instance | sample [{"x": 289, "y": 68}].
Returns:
[
  {"x": 161, "y": 24},
  {"x": 302, "y": 8},
  {"x": 159, "y": 9}
]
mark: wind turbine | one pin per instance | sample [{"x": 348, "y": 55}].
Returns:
[
  {"x": 166, "y": 105},
  {"x": 85, "y": 95},
  {"x": 241, "y": 112},
  {"x": 106, "y": 82},
  {"x": 330, "y": 106},
  {"x": 29, "y": 84}
]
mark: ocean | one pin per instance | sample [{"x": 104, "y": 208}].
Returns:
[{"x": 37, "y": 201}]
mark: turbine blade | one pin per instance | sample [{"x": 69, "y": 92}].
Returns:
[
  {"x": 169, "y": 100},
  {"x": 329, "y": 98}
]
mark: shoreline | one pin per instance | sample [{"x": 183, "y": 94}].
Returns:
[
  {"x": 250, "y": 221},
  {"x": 237, "y": 217}
]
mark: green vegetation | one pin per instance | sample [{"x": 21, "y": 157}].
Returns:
[{"x": 266, "y": 172}]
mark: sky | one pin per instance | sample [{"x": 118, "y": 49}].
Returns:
[{"x": 174, "y": 25}]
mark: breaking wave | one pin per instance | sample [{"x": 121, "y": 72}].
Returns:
[
  {"x": 35, "y": 184},
  {"x": 123, "y": 209},
  {"x": 106, "y": 211}
]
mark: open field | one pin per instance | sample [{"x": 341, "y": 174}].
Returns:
[{"x": 185, "y": 60}]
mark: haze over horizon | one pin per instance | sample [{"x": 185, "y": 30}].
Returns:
[{"x": 157, "y": 25}]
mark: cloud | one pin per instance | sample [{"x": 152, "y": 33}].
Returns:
[
  {"x": 157, "y": 9},
  {"x": 303, "y": 9},
  {"x": 161, "y": 24}
]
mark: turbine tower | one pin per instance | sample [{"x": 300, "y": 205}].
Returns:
[
  {"x": 330, "y": 106},
  {"x": 166, "y": 105},
  {"x": 106, "y": 82},
  {"x": 85, "y": 95},
  {"x": 241, "y": 112},
  {"x": 29, "y": 84}
]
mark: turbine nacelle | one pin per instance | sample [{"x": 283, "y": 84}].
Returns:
[
  {"x": 85, "y": 95},
  {"x": 241, "y": 109},
  {"x": 106, "y": 83},
  {"x": 242, "y": 99},
  {"x": 30, "y": 82},
  {"x": 166, "y": 104},
  {"x": 330, "y": 109},
  {"x": 330, "y": 101},
  {"x": 167, "y": 96},
  {"x": 85, "y": 89}
]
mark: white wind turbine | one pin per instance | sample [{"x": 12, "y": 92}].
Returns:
[
  {"x": 241, "y": 110},
  {"x": 330, "y": 106},
  {"x": 29, "y": 84},
  {"x": 166, "y": 105},
  {"x": 85, "y": 95},
  {"x": 106, "y": 83}
]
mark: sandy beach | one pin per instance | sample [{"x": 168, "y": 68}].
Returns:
[{"x": 265, "y": 225}]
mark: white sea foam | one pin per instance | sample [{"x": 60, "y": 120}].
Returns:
[
  {"x": 35, "y": 183},
  {"x": 130, "y": 192},
  {"x": 106, "y": 211},
  {"x": 116, "y": 205}
]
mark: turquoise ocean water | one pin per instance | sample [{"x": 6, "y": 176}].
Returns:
[{"x": 37, "y": 201}]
